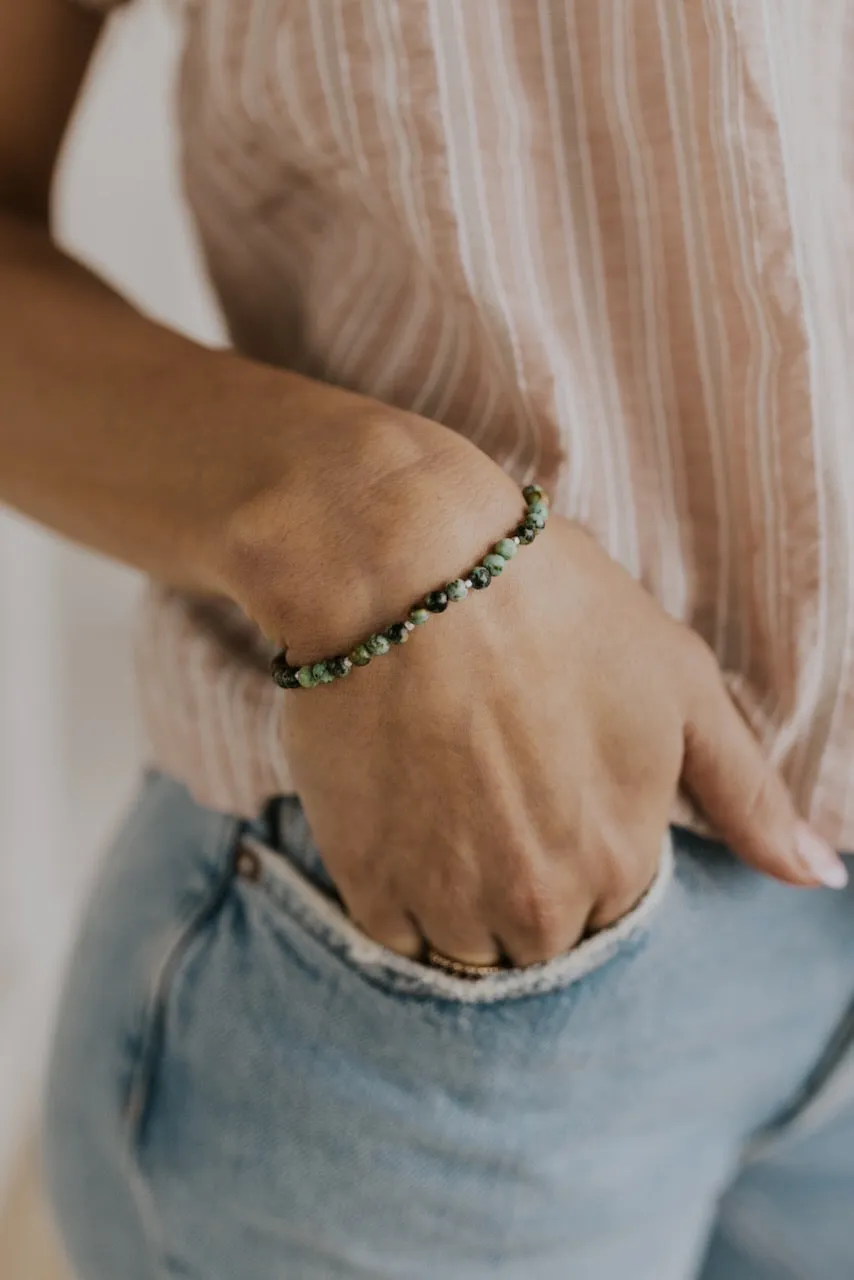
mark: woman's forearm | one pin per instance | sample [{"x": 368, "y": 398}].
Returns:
[
  {"x": 206, "y": 469},
  {"x": 119, "y": 432}
]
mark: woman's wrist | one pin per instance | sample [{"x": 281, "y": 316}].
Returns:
[
  {"x": 475, "y": 578},
  {"x": 369, "y": 512}
]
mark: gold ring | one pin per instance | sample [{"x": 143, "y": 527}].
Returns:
[{"x": 461, "y": 968}]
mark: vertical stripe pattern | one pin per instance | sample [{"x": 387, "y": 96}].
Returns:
[{"x": 608, "y": 240}]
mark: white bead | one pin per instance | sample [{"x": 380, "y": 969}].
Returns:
[
  {"x": 410, "y": 626},
  {"x": 517, "y": 541},
  {"x": 468, "y": 583}
]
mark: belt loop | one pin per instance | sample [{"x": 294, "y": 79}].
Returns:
[{"x": 266, "y": 826}]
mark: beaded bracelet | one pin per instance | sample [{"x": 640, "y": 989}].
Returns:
[{"x": 491, "y": 566}]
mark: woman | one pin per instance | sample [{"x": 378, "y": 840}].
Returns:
[{"x": 388, "y": 974}]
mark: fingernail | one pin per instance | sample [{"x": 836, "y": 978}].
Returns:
[{"x": 820, "y": 860}]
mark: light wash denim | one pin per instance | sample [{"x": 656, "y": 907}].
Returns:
[{"x": 245, "y": 1088}]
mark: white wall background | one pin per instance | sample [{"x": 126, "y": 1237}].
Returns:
[{"x": 70, "y": 747}]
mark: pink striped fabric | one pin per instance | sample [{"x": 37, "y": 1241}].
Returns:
[{"x": 610, "y": 241}]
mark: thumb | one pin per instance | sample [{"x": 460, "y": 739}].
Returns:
[{"x": 742, "y": 794}]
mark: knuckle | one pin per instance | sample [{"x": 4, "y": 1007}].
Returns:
[
  {"x": 627, "y": 868},
  {"x": 624, "y": 902},
  {"x": 625, "y": 885},
  {"x": 537, "y": 918},
  {"x": 625, "y": 881},
  {"x": 392, "y": 931}
]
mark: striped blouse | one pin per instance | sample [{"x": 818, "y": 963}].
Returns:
[{"x": 612, "y": 242}]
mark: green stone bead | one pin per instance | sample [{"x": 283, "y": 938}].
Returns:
[
  {"x": 283, "y": 673},
  {"x": 339, "y": 667},
  {"x": 526, "y": 533},
  {"x": 436, "y": 601},
  {"x": 495, "y": 564},
  {"x": 534, "y": 493},
  {"x": 456, "y": 590},
  {"x": 536, "y": 517},
  {"x": 539, "y": 508},
  {"x": 480, "y": 578},
  {"x": 377, "y": 646},
  {"x": 506, "y": 548},
  {"x": 287, "y": 680},
  {"x": 397, "y": 633},
  {"x": 321, "y": 673},
  {"x": 306, "y": 677},
  {"x": 359, "y": 655},
  {"x": 419, "y": 616}
]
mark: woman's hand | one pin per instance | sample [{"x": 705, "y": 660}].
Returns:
[
  {"x": 509, "y": 772},
  {"x": 503, "y": 781}
]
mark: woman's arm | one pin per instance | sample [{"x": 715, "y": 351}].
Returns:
[
  {"x": 508, "y": 774},
  {"x": 121, "y": 433},
  {"x": 111, "y": 426}
]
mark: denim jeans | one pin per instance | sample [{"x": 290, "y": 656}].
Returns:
[{"x": 245, "y": 1088}]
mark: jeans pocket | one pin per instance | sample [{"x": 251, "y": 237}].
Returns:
[
  {"x": 157, "y": 893},
  {"x": 305, "y": 907},
  {"x": 195, "y": 910}
]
